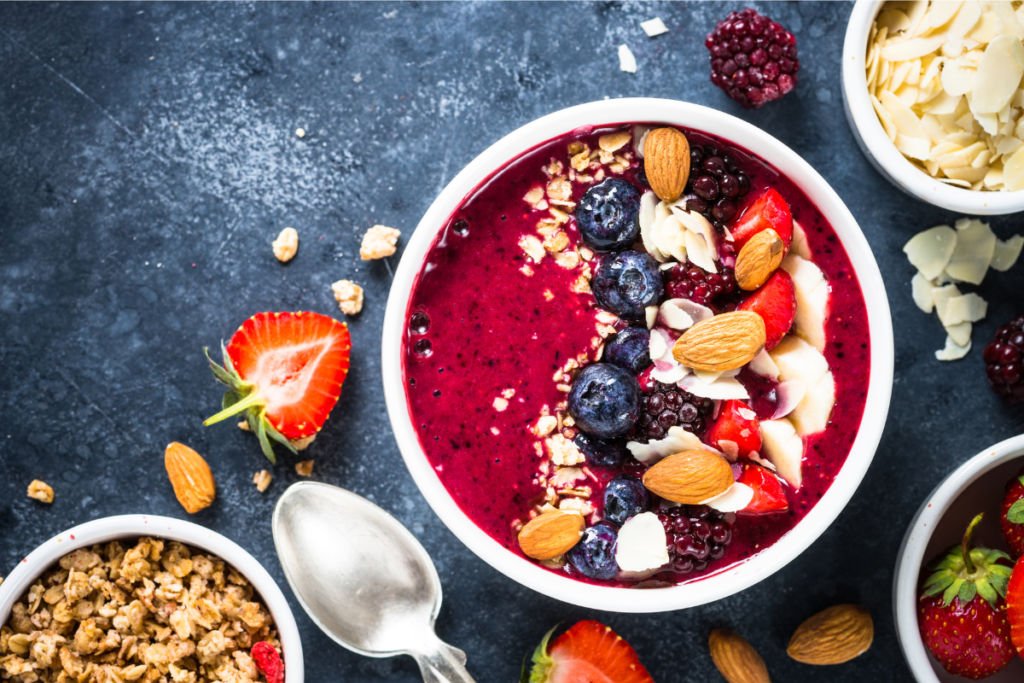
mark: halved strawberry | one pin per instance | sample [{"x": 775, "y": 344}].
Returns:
[
  {"x": 775, "y": 302},
  {"x": 769, "y": 496},
  {"x": 285, "y": 370},
  {"x": 736, "y": 431},
  {"x": 588, "y": 652},
  {"x": 1011, "y": 515},
  {"x": 769, "y": 210},
  {"x": 1015, "y": 605}
]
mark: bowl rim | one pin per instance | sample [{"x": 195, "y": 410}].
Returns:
[
  {"x": 106, "y": 529},
  {"x": 736, "y": 577},
  {"x": 882, "y": 153},
  {"x": 915, "y": 544}
]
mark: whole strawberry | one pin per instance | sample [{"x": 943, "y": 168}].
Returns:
[
  {"x": 1011, "y": 516},
  {"x": 963, "y": 610}
]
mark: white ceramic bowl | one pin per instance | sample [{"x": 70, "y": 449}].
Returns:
[
  {"x": 882, "y": 153},
  {"x": 976, "y": 486},
  {"x": 107, "y": 529},
  {"x": 746, "y": 573}
]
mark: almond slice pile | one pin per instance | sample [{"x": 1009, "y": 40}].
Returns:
[
  {"x": 945, "y": 257},
  {"x": 945, "y": 80}
]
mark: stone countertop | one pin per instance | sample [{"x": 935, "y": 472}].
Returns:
[{"x": 148, "y": 157}]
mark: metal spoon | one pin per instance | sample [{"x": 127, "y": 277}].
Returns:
[{"x": 363, "y": 578}]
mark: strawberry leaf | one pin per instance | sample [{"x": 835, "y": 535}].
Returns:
[
  {"x": 988, "y": 593},
  {"x": 278, "y": 436},
  {"x": 261, "y": 433},
  {"x": 542, "y": 662},
  {"x": 967, "y": 592},
  {"x": 1016, "y": 512},
  {"x": 222, "y": 375}
]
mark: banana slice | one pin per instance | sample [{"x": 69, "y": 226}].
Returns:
[
  {"x": 784, "y": 449},
  {"x": 798, "y": 360},
  {"x": 812, "y": 292}
]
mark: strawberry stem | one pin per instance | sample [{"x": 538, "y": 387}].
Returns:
[
  {"x": 253, "y": 399},
  {"x": 965, "y": 545}
]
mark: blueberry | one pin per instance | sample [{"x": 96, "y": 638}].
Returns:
[
  {"x": 594, "y": 555},
  {"x": 625, "y": 496},
  {"x": 630, "y": 349},
  {"x": 626, "y": 283},
  {"x": 605, "y": 400},
  {"x": 609, "y": 215},
  {"x": 601, "y": 452}
]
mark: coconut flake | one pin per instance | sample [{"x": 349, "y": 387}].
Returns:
[
  {"x": 697, "y": 224},
  {"x": 930, "y": 251},
  {"x": 627, "y": 62},
  {"x": 639, "y": 138},
  {"x": 735, "y": 498},
  {"x": 764, "y": 365},
  {"x": 788, "y": 396},
  {"x": 698, "y": 252},
  {"x": 654, "y": 27},
  {"x": 960, "y": 333},
  {"x": 642, "y": 544},
  {"x": 651, "y": 313},
  {"x": 722, "y": 389},
  {"x": 921, "y": 289},
  {"x": 672, "y": 374},
  {"x": 673, "y": 315},
  {"x": 1006, "y": 253},
  {"x": 965, "y": 308},
  {"x": 676, "y": 441},
  {"x": 952, "y": 350}
]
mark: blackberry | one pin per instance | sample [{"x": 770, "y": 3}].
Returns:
[
  {"x": 715, "y": 186},
  {"x": 1003, "y": 361},
  {"x": 753, "y": 59},
  {"x": 714, "y": 290},
  {"x": 667, "y": 406},
  {"x": 697, "y": 535}
]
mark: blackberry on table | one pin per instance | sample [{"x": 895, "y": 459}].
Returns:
[
  {"x": 1004, "y": 361},
  {"x": 753, "y": 59}
]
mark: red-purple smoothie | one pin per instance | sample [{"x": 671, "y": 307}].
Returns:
[{"x": 492, "y": 329}]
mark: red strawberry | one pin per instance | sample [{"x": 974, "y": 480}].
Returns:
[
  {"x": 285, "y": 370},
  {"x": 775, "y": 302},
  {"x": 737, "y": 425},
  {"x": 963, "y": 617},
  {"x": 1015, "y": 605},
  {"x": 1011, "y": 516},
  {"x": 588, "y": 652},
  {"x": 769, "y": 210},
  {"x": 769, "y": 496},
  {"x": 268, "y": 661}
]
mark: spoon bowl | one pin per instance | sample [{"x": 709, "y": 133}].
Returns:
[{"x": 362, "y": 577}]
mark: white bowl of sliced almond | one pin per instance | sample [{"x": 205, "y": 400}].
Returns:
[{"x": 933, "y": 94}]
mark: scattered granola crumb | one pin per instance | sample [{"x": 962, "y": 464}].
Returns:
[
  {"x": 304, "y": 468},
  {"x": 526, "y": 270},
  {"x": 358, "y": 78},
  {"x": 654, "y": 27},
  {"x": 548, "y": 295},
  {"x": 378, "y": 242},
  {"x": 244, "y": 425},
  {"x": 262, "y": 480},
  {"x": 349, "y": 296},
  {"x": 627, "y": 62},
  {"x": 300, "y": 132},
  {"x": 303, "y": 443},
  {"x": 508, "y": 393},
  {"x": 40, "y": 491},
  {"x": 286, "y": 245},
  {"x": 533, "y": 247},
  {"x": 495, "y": 431},
  {"x": 500, "y": 404}
]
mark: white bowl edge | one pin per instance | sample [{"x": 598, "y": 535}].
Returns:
[
  {"x": 108, "y": 529},
  {"x": 915, "y": 543},
  {"x": 882, "y": 153},
  {"x": 739, "y": 576}
]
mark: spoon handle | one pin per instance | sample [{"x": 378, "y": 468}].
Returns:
[{"x": 443, "y": 664}]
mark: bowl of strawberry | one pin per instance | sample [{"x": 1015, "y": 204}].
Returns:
[
  {"x": 959, "y": 588},
  {"x": 637, "y": 344}
]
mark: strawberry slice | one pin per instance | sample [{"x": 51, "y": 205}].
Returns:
[
  {"x": 285, "y": 370},
  {"x": 769, "y": 210},
  {"x": 775, "y": 302},
  {"x": 737, "y": 430},
  {"x": 769, "y": 496},
  {"x": 588, "y": 652},
  {"x": 1015, "y": 605}
]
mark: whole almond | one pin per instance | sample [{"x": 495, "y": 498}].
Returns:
[
  {"x": 758, "y": 259},
  {"x": 550, "y": 534},
  {"x": 833, "y": 636},
  {"x": 190, "y": 476},
  {"x": 724, "y": 342},
  {"x": 736, "y": 659},
  {"x": 667, "y": 162},
  {"x": 690, "y": 477}
]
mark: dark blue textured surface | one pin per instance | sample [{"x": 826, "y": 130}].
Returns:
[{"x": 148, "y": 158}]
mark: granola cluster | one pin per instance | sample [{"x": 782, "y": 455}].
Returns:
[{"x": 157, "y": 611}]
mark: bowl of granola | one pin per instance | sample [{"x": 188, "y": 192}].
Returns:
[
  {"x": 613, "y": 347},
  {"x": 141, "y": 597}
]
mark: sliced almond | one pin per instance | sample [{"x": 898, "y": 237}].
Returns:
[
  {"x": 690, "y": 477},
  {"x": 833, "y": 636},
  {"x": 667, "y": 162},
  {"x": 725, "y": 342},
  {"x": 551, "y": 534},
  {"x": 758, "y": 259},
  {"x": 190, "y": 476},
  {"x": 736, "y": 659}
]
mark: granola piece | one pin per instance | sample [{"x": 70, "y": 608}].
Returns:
[
  {"x": 559, "y": 215},
  {"x": 500, "y": 404},
  {"x": 562, "y": 451},
  {"x": 535, "y": 198},
  {"x": 556, "y": 242},
  {"x": 303, "y": 443},
  {"x": 567, "y": 259},
  {"x": 304, "y": 468},
  {"x": 559, "y": 189},
  {"x": 177, "y": 560},
  {"x": 581, "y": 161},
  {"x": 554, "y": 168},
  {"x": 532, "y": 247},
  {"x": 46, "y": 647},
  {"x": 582, "y": 506},
  {"x": 41, "y": 491},
  {"x": 349, "y": 296},
  {"x": 262, "y": 480},
  {"x": 379, "y": 242},
  {"x": 286, "y": 245},
  {"x": 613, "y": 142}
]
